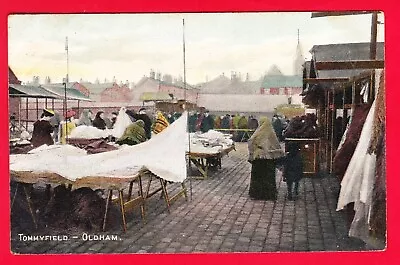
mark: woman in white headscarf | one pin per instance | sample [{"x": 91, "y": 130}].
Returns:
[
  {"x": 264, "y": 150},
  {"x": 85, "y": 118}
]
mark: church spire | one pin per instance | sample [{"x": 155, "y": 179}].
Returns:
[
  {"x": 298, "y": 36},
  {"x": 299, "y": 59}
]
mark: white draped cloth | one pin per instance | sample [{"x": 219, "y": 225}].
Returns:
[
  {"x": 358, "y": 181},
  {"x": 163, "y": 155},
  {"x": 90, "y": 132}
]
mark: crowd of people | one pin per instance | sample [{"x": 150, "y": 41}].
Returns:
[
  {"x": 239, "y": 125},
  {"x": 50, "y": 128},
  {"x": 265, "y": 150}
]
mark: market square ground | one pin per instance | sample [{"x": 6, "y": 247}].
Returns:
[{"x": 218, "y": 217}]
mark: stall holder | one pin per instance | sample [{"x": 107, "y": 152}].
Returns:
[
  {"x": 309, "y": 152},
  {"x": 204, "y": 160}
]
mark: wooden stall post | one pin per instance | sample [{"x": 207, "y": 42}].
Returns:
[
  {"x": 332, "y": 127},
  {"x": 37, "y": 108},
  {"x": 26, "y": 115},
  {"x": 78, "y": 109}
]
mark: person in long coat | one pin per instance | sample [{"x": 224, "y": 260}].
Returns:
[
  {"x": 242, "y": 124},
  {"x": 147, "y": 121},
  {"x": 85, "y": 118},
  {"x": 42, "y": 129},
  {"x": 217, "y": 122},
  {"x": 99, "y": 121},
  {"x": 252, "y": 123},
  {"x": 67, "y": 126},
  {"x": 55, "y": 121},
  {"x": 134, "y": 134},
  {"x": 278, "y": 127},
  {"x": 293, "y": 169},
  {"x": 226, "y": 122},
  {"x": 264, "y": 150},
  {"x": 192, "y": 122},
  {"x": 160, "y": 123},
  {"x": 207, "y": 123}
]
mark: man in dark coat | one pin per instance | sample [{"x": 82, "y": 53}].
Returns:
[
  {"x": 207, "y": 122},
  {"x": 293, "y": 169},
  {"x": 226, "y": 122},
  {"x": 252, "y": 124},
  {"x": 278, "y": 127},
  {"x": 192, "y": 122},
  {"x": 132, "y": 114},
  {"x": 42, "y": 129}
]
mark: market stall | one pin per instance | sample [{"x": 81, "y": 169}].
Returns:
[
  {"x": 113, "y": 171},
  {"x": 345, "y": 83},
  {"x": 207, "y": 149}
]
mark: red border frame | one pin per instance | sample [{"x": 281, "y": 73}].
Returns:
[{"x": 389, "y": 256}]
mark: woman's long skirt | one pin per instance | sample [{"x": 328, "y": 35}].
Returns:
[{"x": 263, "y": 183}]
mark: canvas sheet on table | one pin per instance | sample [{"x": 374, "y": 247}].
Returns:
[
  {"x": 163, "y": 155},
  {"x": 211, "y": 142}
]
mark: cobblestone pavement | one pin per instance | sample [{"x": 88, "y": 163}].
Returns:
[{"x": 218, "y": 217}]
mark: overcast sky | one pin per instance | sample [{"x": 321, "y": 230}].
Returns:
[{"x": 127, "y": 46}]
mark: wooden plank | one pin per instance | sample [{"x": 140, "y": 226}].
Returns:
[
  {"x": 133, "y": 203},
  {"x": 328, "y": 80},
  {"x": 345, "y": 65},
  {"x": 338, "y": 13},
  {"x": 176, "y": 196}
]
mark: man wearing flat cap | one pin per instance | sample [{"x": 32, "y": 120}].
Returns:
[{"x": 42, "y": 129}]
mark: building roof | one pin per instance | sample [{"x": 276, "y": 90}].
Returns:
[
  {"x": 344, "y": 52},
  {"x": 156, "y": 96},
  {"x": 224, "y": 85},
  {"x": 12, "y": 78},
  {"x": 278, "y": 81},
  {"x": 241, "y": 103},
  {"x": 274, "y": 70},
  {"x": 216, "y": 85},
  {"x": 29, "y": 91},
  {"x": 72, "y": 93},
  {"x": 97, "y": 88}
]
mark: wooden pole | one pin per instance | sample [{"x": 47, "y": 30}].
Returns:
[
  {"x": 374, "y": 31},
  {"x": 27, "y": 116},
  {"x": 37, "y": 108},
  {"x": 184, "y": 95}
]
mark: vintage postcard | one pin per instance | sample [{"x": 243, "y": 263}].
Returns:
[{"x": 241, "y": 132}]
